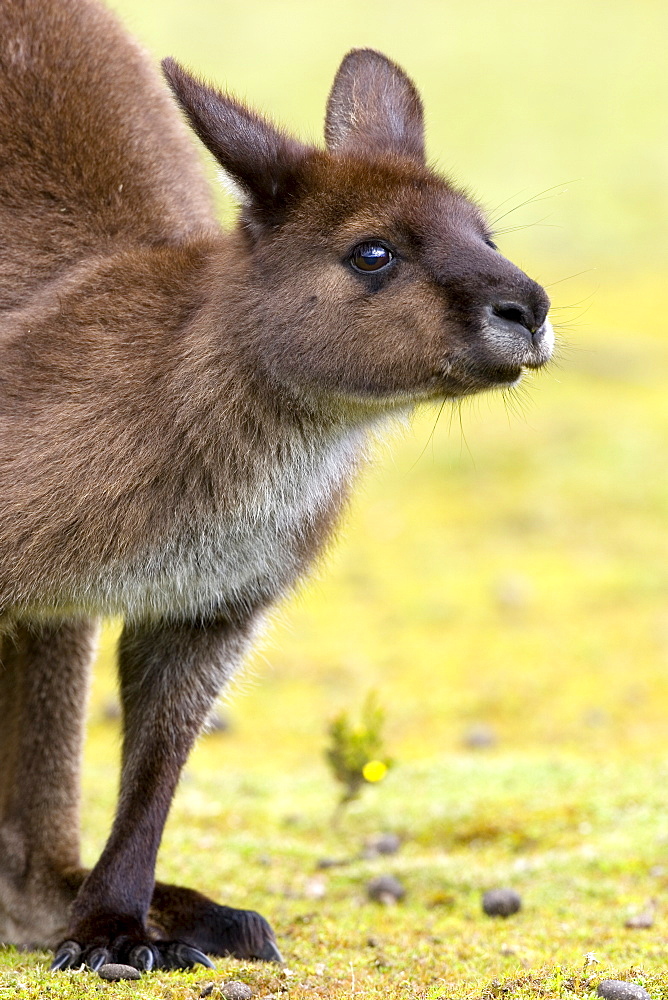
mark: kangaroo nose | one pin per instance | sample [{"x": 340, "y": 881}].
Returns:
[{"x": 529, "y": 316}]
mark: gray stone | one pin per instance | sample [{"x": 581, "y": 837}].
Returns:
[
  {"x": 501, "y": 902},
  {"x": 385, "y": 889},
  {"x": 234, "y": 990},
  {"x": 333, "y": 862},
  {"x": 114, "y": 972},
  {"x": 617, "y": 989},
  {"x": 479, "y": 737},
  {"x": 644, "y": 919},
  {"x": 381, "y": 843}
]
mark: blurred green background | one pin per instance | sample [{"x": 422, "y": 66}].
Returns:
[{"x": 520, "y": 96}]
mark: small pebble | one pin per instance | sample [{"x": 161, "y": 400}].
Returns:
[
  {"x": 617, "y": 989},
  {"x": 385, "y": 889},
  {"x": 501, "y": 902},
  {"x": 113, "y": 972},
  {"x": 479, "y": 737},
  {"x": 381, "y": 843},
  {"x": 333, "y": 862},
  {"x": 644, "y": 919},
  {"x": 234, "y": 990}
]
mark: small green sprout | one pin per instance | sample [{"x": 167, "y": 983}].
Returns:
[{"x": 355, "y": 752}]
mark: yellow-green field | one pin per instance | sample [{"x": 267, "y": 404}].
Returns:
[{"x": 504, "y": 565}]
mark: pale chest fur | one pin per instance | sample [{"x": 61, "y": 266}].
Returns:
[{"x": 251, "y": 552}]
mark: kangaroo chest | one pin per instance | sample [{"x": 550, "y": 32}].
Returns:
[{"x": 253, "y": 550}]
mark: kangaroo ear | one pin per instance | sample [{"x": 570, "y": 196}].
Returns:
[
  {"x": 373, "y": 104},
  {"x": 260, "y": 158}
]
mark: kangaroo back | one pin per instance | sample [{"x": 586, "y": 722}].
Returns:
[{"x": 92, "y": 151}]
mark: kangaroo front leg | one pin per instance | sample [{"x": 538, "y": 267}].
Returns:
[{"x": 170, "y": 674}]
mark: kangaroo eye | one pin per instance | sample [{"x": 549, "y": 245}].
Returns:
[{"x": 370, "y": 257}]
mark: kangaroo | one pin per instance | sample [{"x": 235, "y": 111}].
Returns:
[{"x": 183, "y": 411}]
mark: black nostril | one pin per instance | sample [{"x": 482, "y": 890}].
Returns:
[{"x": 515, "y": 312}]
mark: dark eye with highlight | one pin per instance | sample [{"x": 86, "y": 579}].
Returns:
[
  {"x": 490, "y": 243},
  {"x": 369, "y": 257}
]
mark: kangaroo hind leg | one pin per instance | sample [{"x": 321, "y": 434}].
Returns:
[{"x": 44, "y": 670}]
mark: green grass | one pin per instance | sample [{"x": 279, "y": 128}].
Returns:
[
  {"x": 498, "y": 567},
  {"x": 581, "y": 840}
]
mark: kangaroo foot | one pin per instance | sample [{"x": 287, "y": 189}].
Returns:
[
  {"x": 189, "y": 916},
  {"x": 128, "y": 945},
  {"x": 183, "y": 927}
]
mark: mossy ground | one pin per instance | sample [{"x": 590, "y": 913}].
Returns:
[{"x": 498, "y": 568}]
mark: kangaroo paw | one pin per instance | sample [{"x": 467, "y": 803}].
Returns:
[
  {"x": 144, "y": 956},
  {"x": 187, "y": 915}
]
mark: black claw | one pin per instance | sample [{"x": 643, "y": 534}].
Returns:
[
  {"x": 97, "y": 958},
  {"x": 63, "y": 960},
  {"x": 142, "y": 958},
  {"x": 188, "y": 956},
  {"x": 67, "y": 955},
  {"x": 269, "y": 953}
]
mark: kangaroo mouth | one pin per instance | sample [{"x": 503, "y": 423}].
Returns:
[
  {"x": 509, "y": 348},
  {"x": 497, "y": 358},
  {"x": 461, "y": 380},
  {"x": 515, "y": 345}
]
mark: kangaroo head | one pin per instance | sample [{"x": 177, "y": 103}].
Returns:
[{"x": 376, "y": 279}]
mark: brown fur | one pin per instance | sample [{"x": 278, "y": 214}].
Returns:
[{"x": 182, "y": 411}]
